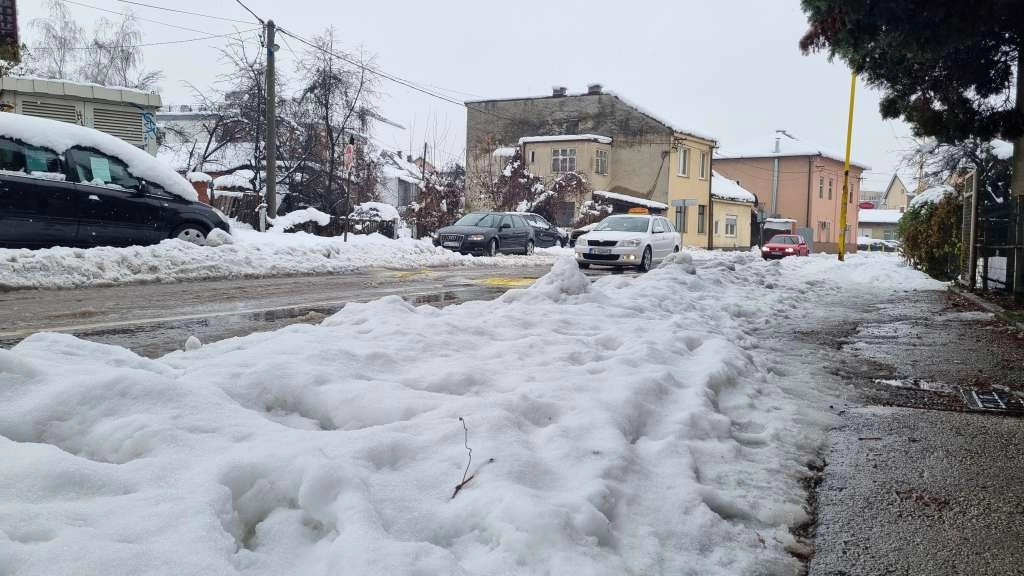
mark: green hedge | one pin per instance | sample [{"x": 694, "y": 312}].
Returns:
[{"x": 931, "y": 237}]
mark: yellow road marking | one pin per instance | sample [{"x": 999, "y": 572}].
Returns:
[
  {"x": 411, "y": 273},
  {"x": 507, "y": 282}
]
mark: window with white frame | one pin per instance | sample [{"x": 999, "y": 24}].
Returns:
[
  {"x": 702, "y": 172},
  {"x": 563, "y": 160},
  {"x": 730, "y": 226},
  {"x": 684, "y": 161},
  {"x": 601, "y": 162}
]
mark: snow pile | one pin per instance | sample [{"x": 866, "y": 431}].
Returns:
[
  {"x": 726, "y": 189},
  {"x": 244, "y": 254},
  {"x": 198, "y": 177},
  {"x": 1002, "y": 149},
  {"x": 297, "y": 217},
  {"x": 238, "y": 180},
  {"x": 375, "y": 211},
  {"x": 59, "y": 136},
  {"x": 933, "y": 195},
  {"x": 629, "y": 426}
]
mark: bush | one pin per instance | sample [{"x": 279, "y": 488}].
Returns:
[{"x": 931, "y": 237}]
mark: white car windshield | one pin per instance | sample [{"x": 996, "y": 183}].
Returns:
[{"x": 623, "y": 224}]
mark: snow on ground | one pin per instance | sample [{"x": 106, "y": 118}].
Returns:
[
  {"x": 249, "y": 254},
  {"x": 634, "y": 425},
  {"x": 297, "y": 217}
]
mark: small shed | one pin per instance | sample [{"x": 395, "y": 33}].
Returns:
[{"x": 122, "y": 112}]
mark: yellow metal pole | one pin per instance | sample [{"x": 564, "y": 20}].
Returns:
[{"x": 846, "y": 172}]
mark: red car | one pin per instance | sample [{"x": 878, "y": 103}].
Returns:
[{"x": 783, "y": 245}]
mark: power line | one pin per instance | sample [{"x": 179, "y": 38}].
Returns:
[
  {"x": 126, "y": 47},
  {"x": 387, "y": 76},
  {"x": 258, "y": 19},
  {"x": 178, "y": 11},
  {"x": 130, "y": 15}
]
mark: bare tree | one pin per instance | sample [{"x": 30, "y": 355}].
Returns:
[
  {"x": 114, "y": 57},
  {"x": 244, "y": 100},
  {"x": 337, "y": 103},
  {"x": 55, "y": 52}
]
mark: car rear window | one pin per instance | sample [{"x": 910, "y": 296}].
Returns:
[{"x": 32, "y": 160}]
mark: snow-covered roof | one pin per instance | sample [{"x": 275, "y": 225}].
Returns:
[
  {"x": 933, "y": 195},
  {"x": 198, "y": 177},
  {"x": 631, "y": 199},
  {"x": 505, "y": 152},
  {"x": 876, "y": 216},
  {"x": 396, "y": 166},
  {"x": 788, "y": 145},
  {"x": 50, "y": 86},
  {"x": 780, "y": 220},
  {"x": 658, "y": 119},
  {"x": 726, "y": 189},
  {"x": 59, "y": 136},
  {"x": 566, "y": 138},
  {"x": 670, "y": 125}
]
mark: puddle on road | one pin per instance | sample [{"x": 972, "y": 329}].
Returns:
[
  {"x": 917, "y": 384},
  {"x": 154, "y": 339}
]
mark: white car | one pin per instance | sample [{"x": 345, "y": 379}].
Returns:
[{"x": 639, "y": 240}]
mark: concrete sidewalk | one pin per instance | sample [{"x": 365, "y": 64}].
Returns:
[{"x": 914, "y": 483}]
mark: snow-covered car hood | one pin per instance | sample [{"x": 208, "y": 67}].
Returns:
[{"x": 613, "y": 235}]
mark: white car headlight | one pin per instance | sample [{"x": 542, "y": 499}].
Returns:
[
  {"x": 581, "y": 242},
  {"x": 789, "y": 250},
  {"x": 634, "y": 243},
  {"x": 475, "y": 237}
]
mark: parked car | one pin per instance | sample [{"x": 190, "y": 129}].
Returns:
[
  {"x": 488, "y": 234},
  {"x": 782, "y": 245},
  {"x": 68, "y": 185},
  {"x": 545, "y": 233},
  {"x": 638, "y": 240},
  {"x": 575, "y": 234}
]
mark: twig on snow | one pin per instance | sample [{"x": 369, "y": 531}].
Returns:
[{"x": 466, "y": 476}]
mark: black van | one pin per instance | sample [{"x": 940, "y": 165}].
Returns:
[{"x": 88, "y": 188}]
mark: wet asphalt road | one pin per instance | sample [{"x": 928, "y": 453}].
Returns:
[
  {"x": 154, "y": 319},
  {"x": 914, "y": 483}
]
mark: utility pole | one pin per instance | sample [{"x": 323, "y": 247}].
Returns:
[
  {"x": 271, "y": 152},
  {"x": 423, "y": 167},
  {"x": 846, "y": 172}
]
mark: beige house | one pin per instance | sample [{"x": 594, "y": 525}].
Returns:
[
  {"x": 589, "y": 154},
  {"x": 879, "y": 224}
]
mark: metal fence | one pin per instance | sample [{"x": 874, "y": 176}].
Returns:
[
  {"x": 989, "y": 238},
  {"x": 245, "y": 208}
]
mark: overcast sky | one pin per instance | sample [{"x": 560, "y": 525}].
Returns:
[{"x": 729, "y": 68}]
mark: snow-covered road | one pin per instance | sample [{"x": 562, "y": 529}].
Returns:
[
  {"x": 243, "y": 254},
  {"x": 658, "y": 424}
]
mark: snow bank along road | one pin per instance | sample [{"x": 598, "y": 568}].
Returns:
[
  {"x": 658, "y": 424},
  {"x": 243, "y": 254}
]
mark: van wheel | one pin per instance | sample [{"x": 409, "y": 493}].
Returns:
[{"x": 191, "y": 233}]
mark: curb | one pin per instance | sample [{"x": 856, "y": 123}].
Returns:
[{"x": 987, "y": 306}]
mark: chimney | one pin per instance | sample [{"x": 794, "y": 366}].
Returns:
[
  {"x": 594, "y": 89},
  {"x": 777, "y": 139},
  {"x": 559, "y": 91}
]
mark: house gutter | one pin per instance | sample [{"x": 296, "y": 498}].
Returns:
[
  {"x": 810, "y": 165},
  {"x": 711, "y": 198}
]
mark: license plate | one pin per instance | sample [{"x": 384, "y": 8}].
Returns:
[
  {"x": 453, "y": 244},
  {"x": 776, "y": 253},
  {"x": 600, "y": 250}
]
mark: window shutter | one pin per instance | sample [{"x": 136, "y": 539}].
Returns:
[
  {"x": 51, "y": 110},
  {"x": 125, "y": 124}
]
